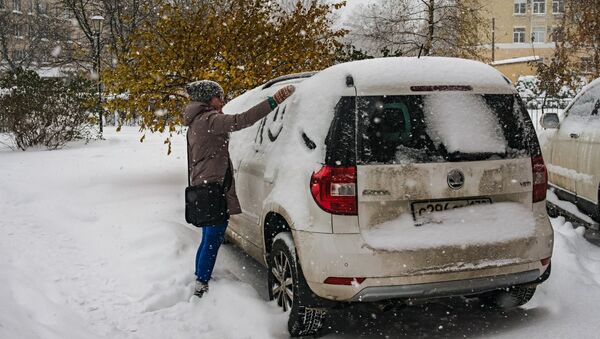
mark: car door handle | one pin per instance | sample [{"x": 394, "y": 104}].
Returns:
[{"x": 574, "y": 136}]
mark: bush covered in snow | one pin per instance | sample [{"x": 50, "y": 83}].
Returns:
[
  {"x": 531, "y": 91},
  {"x": 48, "y": 112}
]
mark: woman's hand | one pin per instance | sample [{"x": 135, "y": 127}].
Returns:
[{"x": 283, "y": 93}]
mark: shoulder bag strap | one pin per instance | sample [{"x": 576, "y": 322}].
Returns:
[
  {"x": 187, "y": 142},
  {"x": 228, "y": 177}
]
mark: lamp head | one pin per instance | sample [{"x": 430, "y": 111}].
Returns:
[{"x": 97, "y": 21}]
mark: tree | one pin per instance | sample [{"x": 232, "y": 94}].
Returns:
[
  {"x": 121, "y": 19},
  {"x": 577, "y": 52},
  {"x": 349, "y": 52},
  {"x": 426, "y": 27},
  {"x": 239, "y": 44},
  {"x": 33, "y": 38}
]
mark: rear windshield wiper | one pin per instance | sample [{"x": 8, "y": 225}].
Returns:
[{"x": 461, "y": 156}]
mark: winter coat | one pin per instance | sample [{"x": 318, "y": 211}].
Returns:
[{"x": 208, "y": 143}]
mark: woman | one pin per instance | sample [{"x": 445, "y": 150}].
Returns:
[{"x": 208, "y": 142}]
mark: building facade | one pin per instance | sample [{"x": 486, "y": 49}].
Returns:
[
  {"x": 524, "y": 31},
  {"x": 35, "y": 33}
]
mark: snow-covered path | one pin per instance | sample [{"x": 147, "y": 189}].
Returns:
[{"x": 93, "y": 245}]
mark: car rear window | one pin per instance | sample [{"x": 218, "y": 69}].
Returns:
[
  {"x": 443, "y": 127},
  {"x": 437, "y": 127}
]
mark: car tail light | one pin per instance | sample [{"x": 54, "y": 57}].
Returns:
[
  {"x": 344, "y": 281},
  {"x": 540, "y": 178},
  {"x": 545, "y": 261},
  {"x": 334, "y": 189}
]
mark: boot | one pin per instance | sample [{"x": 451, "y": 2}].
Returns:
[{"x": 201, "y": 288}]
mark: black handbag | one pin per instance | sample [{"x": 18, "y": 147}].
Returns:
[{"x": 206, "y": 204}]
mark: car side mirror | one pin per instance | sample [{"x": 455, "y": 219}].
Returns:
[{"x": 550, "y": 120}]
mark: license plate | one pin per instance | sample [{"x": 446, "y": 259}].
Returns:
[{"x": 422, "y": 209}]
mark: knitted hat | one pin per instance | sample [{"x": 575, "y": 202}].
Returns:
[{"x": 204, "y": 90}]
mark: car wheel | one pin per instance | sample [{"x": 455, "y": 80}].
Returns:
[
  {"x": 510, "y": 298},
  {"x": 288, "y": 288}
]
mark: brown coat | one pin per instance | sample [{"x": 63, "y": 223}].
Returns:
[{"x": 208, "y": 143}]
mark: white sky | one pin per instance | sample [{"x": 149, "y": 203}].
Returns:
[{"x": 351, "y": 6}]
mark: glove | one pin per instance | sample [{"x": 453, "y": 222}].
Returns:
[{"x": 283, "y": 93}]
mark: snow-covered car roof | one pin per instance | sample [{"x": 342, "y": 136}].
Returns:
[
  {"x": 384, "y": 76},
  {"x": 397, "y": 76}
]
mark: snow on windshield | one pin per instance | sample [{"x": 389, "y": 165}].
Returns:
[
  {"x": 462, "y": 226},
  {"x": 463, "y": 123},
  {"x": 583, "y": 111}
]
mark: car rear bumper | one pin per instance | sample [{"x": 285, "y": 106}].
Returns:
[
  {"x": 432, "y": 285},
  {"x": 445, "y": 288}
]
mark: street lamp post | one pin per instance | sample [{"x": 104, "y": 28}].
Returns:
[{"x": 97, "y": 21}]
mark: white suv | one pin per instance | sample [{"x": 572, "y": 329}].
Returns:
[
  {"x": 395, "y": 178},
  {"x": 572, "y": 149}
]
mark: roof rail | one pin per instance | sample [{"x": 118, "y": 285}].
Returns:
[{"x": 288, "y": 77}]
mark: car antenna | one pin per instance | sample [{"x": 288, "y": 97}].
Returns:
[
  {"x": 420, "y": 51},
  {"x": 349, "y": 81}
]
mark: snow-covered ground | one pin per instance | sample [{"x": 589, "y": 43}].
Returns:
[{"x": 93, "y": 245}]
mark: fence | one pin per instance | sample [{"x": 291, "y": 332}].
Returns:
[
  {"x": 3, "y": 127},
  {"x": 537, "y": 106}
]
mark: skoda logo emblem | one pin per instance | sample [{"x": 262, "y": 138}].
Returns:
[{"x": 456, "y": 179}]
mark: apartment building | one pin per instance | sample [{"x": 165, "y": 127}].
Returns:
[
  {"x": 524, "y": 31},
  {"x": 30, "y": 33}
]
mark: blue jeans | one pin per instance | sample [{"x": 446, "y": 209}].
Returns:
[{"x": 212, "y": 238}]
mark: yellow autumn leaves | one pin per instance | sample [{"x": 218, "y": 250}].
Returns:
[{"x": 239, "y": 44}]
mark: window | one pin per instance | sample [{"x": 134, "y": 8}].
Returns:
[
  {"x": 415, "y": 128},
  {"x": 539, "y": 6},
  {"x": 558, "y": 6},
  {"x": 42, "y": 7},
  {"x": 585, "y": 106},
  {"x": 519, "y": 34},
  {"x": 18, "y": 55},
  {"x": 270, "y": 127},
  {"x": 17, "y": 5},
  {"x": 341, "y": 138},
  {"x": 538, "y": 34},
  {"x": 585, "y": 103},
  {"x": 587, "y": 65},
  {"x": 18, "y": 30},
  {"x": 520, "y": 6}
]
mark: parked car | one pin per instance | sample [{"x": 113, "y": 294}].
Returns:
[
  {"x": 571, "y": 147},
  {"x": 392, "y": 179}
]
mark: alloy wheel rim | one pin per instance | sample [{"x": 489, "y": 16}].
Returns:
[{"x": 282, "y": 287}]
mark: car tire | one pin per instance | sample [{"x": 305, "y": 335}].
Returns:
[
  {"x": 510, "y": 298},
  {"x": 289, "y": 289}
]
